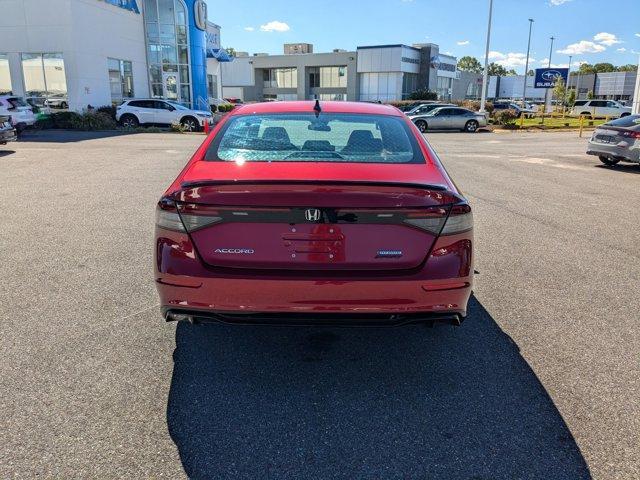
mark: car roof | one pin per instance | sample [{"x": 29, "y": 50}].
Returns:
[{"x": 327, "y": 107}]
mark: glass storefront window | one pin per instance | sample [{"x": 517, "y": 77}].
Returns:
[
  {"x": 328, "y": 77},
  {"x": 280, "y": 78},
  {"x": 120, "y": 79},
  {"x": 167, "y": 49},
  {"x": 45, "y": 81},
  {"x": 5, "y": 75},
  {"x": 212, "y": 85}
]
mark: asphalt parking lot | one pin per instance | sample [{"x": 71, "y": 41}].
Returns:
[{"x": 540, "y": 382}]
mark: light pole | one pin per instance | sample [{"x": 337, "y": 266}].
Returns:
[
  {"x": 485, "y": 74},
  {"x": 526, "y": 66},
  {"x": 546, "y": 91},
  {"x": 566, "y": 87},
  {"x": 636, "y": 93}
]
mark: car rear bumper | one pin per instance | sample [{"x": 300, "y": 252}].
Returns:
[
  {"x": 630, "y": 154},
  {"x": 262, "y": 301},
  {"x": 437, "y": 290},
  {"x": 8, "y": 136},
  {"x": 288, "y": 319}
]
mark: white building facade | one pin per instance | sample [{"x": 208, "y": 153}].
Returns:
[
  {"x": 371, "y": 73},
  {"x": 100, "y": 52}
]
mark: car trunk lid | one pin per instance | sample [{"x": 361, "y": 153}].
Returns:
[{"x": 313, "y": 225}]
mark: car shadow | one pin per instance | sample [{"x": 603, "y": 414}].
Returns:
[
  {"x": 413, "y": 402},
  {"x": 4, "y": 153},
  {"x": 69, "y": 136},
  {"x": 622, "y": 167}
]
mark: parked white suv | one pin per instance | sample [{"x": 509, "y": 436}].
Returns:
[
  {"x": 18, "y": 110},
  {"x": 600, "y": 108},
  {"x": 132, "y": 113}
]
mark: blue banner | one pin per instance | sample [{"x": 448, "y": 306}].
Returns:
[{"x": 547, "y": 77}]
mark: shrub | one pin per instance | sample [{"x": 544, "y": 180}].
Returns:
[
  {"x": 225, "y": 107},
  {"x": 423, "y": 94},
  {"x": 505, "y": 117},
  {"x": 93, "y": 121},
  {"x": 109, "y": 110},
  {"x": 44, "y": 123},
  {"x": 178, "y": 127},
  {"x": 64, "y": 120}
]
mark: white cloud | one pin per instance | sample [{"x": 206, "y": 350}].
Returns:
[
  {"x": 621, "y": 49},
  {"x": 607, "y": 39},
  {"x": 558, "y": 2},
  {"x": 511, "y": 59},
  {"x": 249, "y": 29},
  {"x": 275, "y": 26},
  {"x": 463, "y": 42},
  {"x": 583, "y": 46},
  {"x": 637, "y": 34}
]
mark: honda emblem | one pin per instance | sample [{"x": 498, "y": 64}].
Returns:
[{"x": 312, "y": 214}]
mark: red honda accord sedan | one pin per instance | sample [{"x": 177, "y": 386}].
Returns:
[{"x": 314, "y": 213}]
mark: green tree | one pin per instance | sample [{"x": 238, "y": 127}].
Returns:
[
  {"x": 604, "y": 67},
  {"x": 531, "y": 73},
  {"x": 231, "y": 51},
  {"x": 470, "y": 64},
  {"x": 590, "y": 95},
  {"x": 628, "y": 68},
  {"x": 559, "y": 89},
  {"x": 497, "y": 70},
  {"x": 571, "y": 99},
  {"x": 586, "y": 68}
]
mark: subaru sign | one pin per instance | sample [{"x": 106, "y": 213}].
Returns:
[{"x": 547, "y": 77}]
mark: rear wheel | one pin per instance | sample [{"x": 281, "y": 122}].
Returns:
[
  {"x": 129, "y": 121},
  {"x": 471, "y": 126},
  {"x": 422, "y": 125},
  {"x": 64, "y": 105},
  {"x": 586, "y": 114},
  {"x": 625, "y": 114},
  {"x": 190, "y": 124},
  {"x": 608, "y": 160}
]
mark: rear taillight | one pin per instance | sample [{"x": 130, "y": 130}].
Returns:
[
  {"x": 435, "y": 220},
  {"x": 460, "y": 220},
  {"x": 430, "y": 220},
  {"x": 629, "y": 134},
  {"x": 167, "y": 216},
  {"x": 189, "y": 219}
]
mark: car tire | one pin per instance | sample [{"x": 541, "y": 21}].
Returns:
[
  {"x": 625, "y": 114},
  {"x": 129, "y": 121},
  {"x": 608, "y": 160},
  {"x": 471, "y": 126},
  {"x": 586, "y": 114},
  {"x": 190, "y": 124},
  {"x": 422, "y": 125},
  {"x": 64, "y": 105}
]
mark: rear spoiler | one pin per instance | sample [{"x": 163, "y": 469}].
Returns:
[{"x": 212, "y": 183}]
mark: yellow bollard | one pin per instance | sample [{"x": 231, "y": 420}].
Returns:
[
  {"x": 521, "y": 120},
  {"x": 581, "y": 125}
]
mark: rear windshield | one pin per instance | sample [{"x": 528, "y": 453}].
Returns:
[
  {"x": 17, "y": 102},
  {"x": 303, "y": 137},
  {"x": 628, "y": 121}
]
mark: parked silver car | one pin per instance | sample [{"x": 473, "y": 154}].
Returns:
[
  {"x": 422, "y": 107},
  {"x": 618, "y": 140},
  {"x": 450, "y": 118}
]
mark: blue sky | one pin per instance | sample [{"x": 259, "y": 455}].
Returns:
[{"x": 590, "y": 29}]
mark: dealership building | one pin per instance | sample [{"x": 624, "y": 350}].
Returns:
[
  {"x": 368, "y": 73},
  {"x": 604, "y": 86},
  {"x": 100, "y": 52}
]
